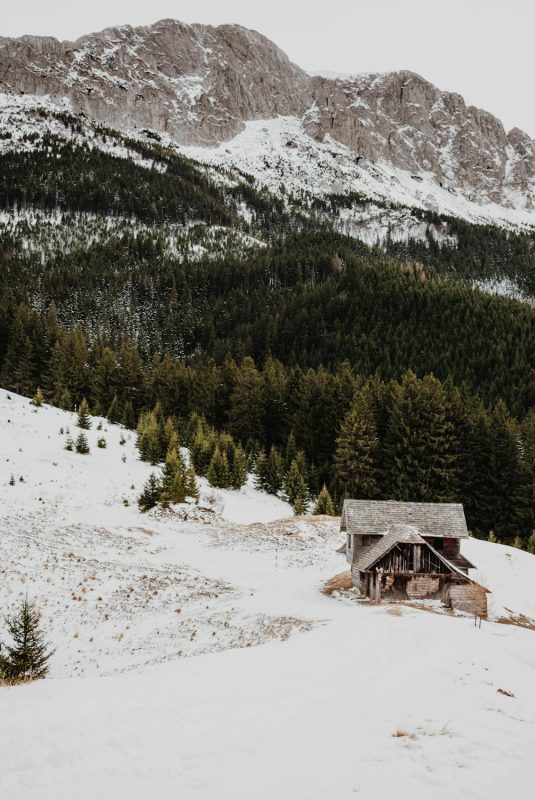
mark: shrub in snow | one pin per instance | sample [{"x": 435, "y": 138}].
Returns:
[
  {"x": 69, "y": 443},
  {"x": 101, "y": 442}
]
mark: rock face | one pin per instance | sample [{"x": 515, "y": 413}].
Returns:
[
  {"x": 401, "y": 119},
  {"x": 196, "y": 83},
  {"x": 199, "y": 84}
]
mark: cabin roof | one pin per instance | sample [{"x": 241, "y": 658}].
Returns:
[{"x": 377, "y": 517}]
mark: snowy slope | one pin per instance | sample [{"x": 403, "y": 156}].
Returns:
[
  {"x": 278, "y": 152},
  {"x": 283, "y": 159},
  {"x": 338, "y": 699}
]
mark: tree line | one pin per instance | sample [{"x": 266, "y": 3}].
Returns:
[{"x": 418, "y": 438}]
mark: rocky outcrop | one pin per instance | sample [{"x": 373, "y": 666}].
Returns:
[
  {"x": 401, "y": 119},
  {"x": 199, "y": 84}
]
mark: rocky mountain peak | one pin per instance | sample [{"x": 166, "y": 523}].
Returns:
[{"x": 199, "y": 84}]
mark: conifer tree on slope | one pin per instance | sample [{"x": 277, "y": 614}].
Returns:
[
  {"x": 28, "y": 654},
  {"x": 38, "y": 398},
  {"x": 324, "y": 504},
  {"x": 82, "y": 445},
  {"x": 419, "y": 443},
  {"x": 238, "y": 468},
  {"x": 174, "y": 477},
  {"x": 84, "y": 419},
  {"x": 295, "y": 485},
  {"x": 151, "y": 493},
  {"x": 218, "y": 472},
  {"x": 269, "y": 471},
  {"x": 114, "y": 413},
  {"x": 192, "y": 489},
  {"x": 355, "y": 459}
]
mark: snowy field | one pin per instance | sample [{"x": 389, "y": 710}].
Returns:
[{"x": 197, "y": 657}]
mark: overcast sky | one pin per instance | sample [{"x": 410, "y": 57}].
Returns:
[{"x": 482, "y": 49}]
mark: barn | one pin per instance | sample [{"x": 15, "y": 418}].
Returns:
[{"x": 410, "y": 551}]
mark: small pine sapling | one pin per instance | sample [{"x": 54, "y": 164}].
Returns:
[
  {"x": 82, "y": 445},
  {"x": 38, "y": 398},
  {"x": 101, "y": 442},
  {"x": 69, "y": 443},
  {"x": 324, "y": 503},
  {"x": 84, "y": 419},
  {"x": 28, "y": 654},
  {"x": 192, "y": 489},
  {"x": 150, "y": 495}
]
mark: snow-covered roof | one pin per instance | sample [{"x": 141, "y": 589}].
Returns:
[{"x": 378, "y": 517}]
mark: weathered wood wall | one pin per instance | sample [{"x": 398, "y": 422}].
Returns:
[{"x": 468, "y": 598}]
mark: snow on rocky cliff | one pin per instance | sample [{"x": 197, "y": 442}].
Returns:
[
  {"x": 202, "y": 85},
  {"x": 197, "y": 657}
]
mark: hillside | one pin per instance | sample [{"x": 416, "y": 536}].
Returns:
[{"x": 191, "y": 648}]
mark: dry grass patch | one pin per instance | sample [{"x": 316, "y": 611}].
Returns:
[
  {"x": 403, "y": 734},
  {"x": 520, "y": 620},
  {"x": 340, "y": 582}
]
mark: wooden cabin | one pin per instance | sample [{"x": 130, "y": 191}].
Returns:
[{"x": 410, "y": 551}]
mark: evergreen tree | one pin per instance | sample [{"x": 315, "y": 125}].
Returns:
[
  {"x": 420, "y": 442},
  {"x": 294, "y": 484},
  {"x": 247, "y": 403},
  {"x": 299, "y": 507},
  {"x": 28, "y": 654},
  {"x": 151, "y": 493},
  {"x": 238, "y": 468},
  {"x": 324, "y": 504},
  {"x": 69, "y": 443},
  {"x": 174, "y": 477},
  {"x": 356, "y": 455},
  {"x": 114, "y": 414},
  {"x": 192, "y": 489},
  {"x": 202, "y": 449},
  {"x": 38, "y": 398},
  {"x": 82, "y": 445},
  {"x": 291, "y": 451},
  {"x": 218, "y": 472},
  {"x": 531, "y": 543},
  {"x": 65, "y": 400},
  {"x": 83, "y": 420},
  {"x": 149, "y": 438},
  {"x": 269, "y": 471},
  {"x": 128, "y": 418}
]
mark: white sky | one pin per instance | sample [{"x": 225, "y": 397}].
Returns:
[{"x": 483, "y": 49}]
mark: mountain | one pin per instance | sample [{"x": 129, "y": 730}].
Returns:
[{"x": 201, "y": 85}]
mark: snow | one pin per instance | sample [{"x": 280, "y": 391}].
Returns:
[
  {"x": 311, "y": 168},
  {"x": 213, "y": 666}
]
